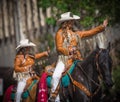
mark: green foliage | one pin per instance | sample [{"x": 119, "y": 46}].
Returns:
[
  {"x": 116, "y": 77},
  {"x": 91, "y": 11},
  {"x": 109, "y": 8},
  {"x": 87, "y": 21},
  {"x": 44, "y": 3},
  {"x": 50, "y": 21},
  {"x": 49, "y": 38}
]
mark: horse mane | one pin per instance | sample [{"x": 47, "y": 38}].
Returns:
[{"x": 90, "y": 58}]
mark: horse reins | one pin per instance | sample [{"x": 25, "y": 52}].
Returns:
[
  {"x": 98, "y": 69},
  {"x": 81, "y": 86}
]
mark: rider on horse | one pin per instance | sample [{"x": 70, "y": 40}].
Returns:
[
  {"x": 23, "y": 66},
  {"x": 67, "y": 46}
]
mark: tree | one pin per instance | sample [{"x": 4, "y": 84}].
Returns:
[{"x": 90, "y": 11}]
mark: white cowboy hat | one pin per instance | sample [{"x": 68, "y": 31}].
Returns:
[
  {"x": 25, "y": 43},
  {"x": 67, "y": 16}
]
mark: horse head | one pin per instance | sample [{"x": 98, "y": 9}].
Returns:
[
  {"x": 104, "y": 65},
  {"x": 86, "y": 72}
]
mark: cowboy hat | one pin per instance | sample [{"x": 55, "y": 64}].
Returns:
[
  {"x": 25, "y": 43},
  {"x": 67, "y": 16}
]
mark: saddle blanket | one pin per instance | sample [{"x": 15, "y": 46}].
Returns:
[
  {"x": 26, "y": 93},
  {"x": 65, "y": 81}
]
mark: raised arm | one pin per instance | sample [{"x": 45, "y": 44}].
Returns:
[
  {"x": 93, "y": 31},
  {"x": 42, "y": 54},
  {"x": 59, "y": 43}
]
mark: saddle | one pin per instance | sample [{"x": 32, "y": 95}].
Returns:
[
  {"x": 26, "y": 90},
  {"x": 65, "y": 79}
]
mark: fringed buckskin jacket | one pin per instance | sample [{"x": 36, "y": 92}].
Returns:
[
  {"x": 23, "y": 64},
  {"x": 64, "y": 44}
]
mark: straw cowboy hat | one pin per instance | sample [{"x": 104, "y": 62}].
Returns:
[
  {"x": 25, "y": 43},
  {"x": 67, "y": 16}
]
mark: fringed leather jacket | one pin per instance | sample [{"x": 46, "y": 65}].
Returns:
[
  {"x": 65, "y": 44},
  {"x": 23, "y": 64}
]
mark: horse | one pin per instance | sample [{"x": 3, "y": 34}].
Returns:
[
  {"x": 33, "y": 93},
  {"x": 86, "y": 78},
  {"x": 28, "y": 96}
]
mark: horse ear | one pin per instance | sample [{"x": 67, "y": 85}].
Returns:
[{"x": 109, "y": 46}]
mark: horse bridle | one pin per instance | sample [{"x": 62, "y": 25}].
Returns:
[
  {"x": 96, "y": 61},
  {"x": 99, "y": 72},
  {"x": 98, "y": 69}
]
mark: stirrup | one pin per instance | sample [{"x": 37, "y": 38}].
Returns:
[{"x": 52, "y": 97}]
